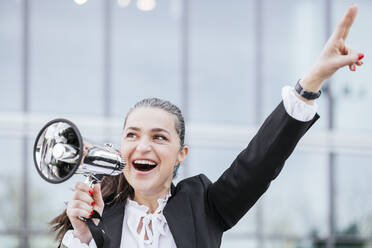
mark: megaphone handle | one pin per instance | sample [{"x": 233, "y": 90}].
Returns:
[{"x": 90, "y": 180}]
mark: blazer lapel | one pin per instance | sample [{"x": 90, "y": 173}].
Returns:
[
  {"x": 179, "y": 215},
  {"x": 113, "y": 219}
]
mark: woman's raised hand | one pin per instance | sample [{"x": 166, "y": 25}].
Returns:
[
  {"x": 83, "y": 201},
  {"x": 335, "y": 54}
]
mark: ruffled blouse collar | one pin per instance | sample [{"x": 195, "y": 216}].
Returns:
[{"x": 137, "y": 212}]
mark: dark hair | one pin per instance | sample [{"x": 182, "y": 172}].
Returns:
[{"x": 116, "y": 188}]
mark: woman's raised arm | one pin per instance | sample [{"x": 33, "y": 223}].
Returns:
[{"x": 241, "y": 185}]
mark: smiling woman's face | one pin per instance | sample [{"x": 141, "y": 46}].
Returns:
[{"x": 151, "y": 147}]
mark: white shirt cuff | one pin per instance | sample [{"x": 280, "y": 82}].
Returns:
[
  {"x": 297, "y": 108},
  {"x": 70, "y": 241}
]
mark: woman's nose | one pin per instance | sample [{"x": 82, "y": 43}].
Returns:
[{"x": 143, "y": 146}]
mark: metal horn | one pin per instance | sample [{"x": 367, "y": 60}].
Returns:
[{"x": 60, "y": 152}]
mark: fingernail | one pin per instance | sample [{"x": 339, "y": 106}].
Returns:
[
  {"x": 360, "y": 56},
  {"x": 90, "y": 192},
  {"x": 353, "y": 68},
  {"x": 92, "y": 203},
  {"x": 89, "y": 216},
  {"x": 92, "y": 212}
]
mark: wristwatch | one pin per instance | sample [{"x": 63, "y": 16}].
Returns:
[{"x": 309, "y": 95}]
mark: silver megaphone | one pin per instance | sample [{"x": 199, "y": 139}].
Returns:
[{"x": 60, "y": 152}]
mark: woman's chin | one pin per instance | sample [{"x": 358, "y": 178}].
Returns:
[
  {"x": 142, "y": 182},
  {"x": 149, "y": 185}
]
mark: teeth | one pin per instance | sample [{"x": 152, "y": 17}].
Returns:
[{"x": 147, "y": 162}]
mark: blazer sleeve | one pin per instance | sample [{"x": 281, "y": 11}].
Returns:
[{"x": 249, "y": 176}]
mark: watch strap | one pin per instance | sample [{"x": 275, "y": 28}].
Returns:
[{"x": 309, "y": 95}]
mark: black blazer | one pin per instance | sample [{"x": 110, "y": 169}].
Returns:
[{"x": 199, "y": 211}]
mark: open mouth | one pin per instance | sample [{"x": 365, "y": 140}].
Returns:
[{"x": 144, "y": 165}]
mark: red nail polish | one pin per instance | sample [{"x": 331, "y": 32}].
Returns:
[
  {"x": 92, "y": 212},
  {"x": 90, "y": 192},
  {"x": 92, "y": 203},
  {"x": 360, "y": 56},
  {"x": 89, "y": 216},
  {"x": 353, "y": 67}
]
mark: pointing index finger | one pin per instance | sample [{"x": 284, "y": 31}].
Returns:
[{"x": 344, "y": 26}]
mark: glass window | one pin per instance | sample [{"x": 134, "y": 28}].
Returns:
[
  {"x": 146, "y": 54},
  {"x": 10, "y": 56},
  {"x": 288, "y": 243},
  {"x": 222, "y": 62},
  {"x": 42, "y": 241},
  {"x": 353, "y": 194},
  {"x": 66, "y": 57},
  {"x": 292, "y": 40},
  {"x": 296, "y": 202},
  {"x": 211, "y": 161},
  {"x": 10, "y": 182},
  {"x": 9, "y": 241},
  {"x": 238, "y": 242}
]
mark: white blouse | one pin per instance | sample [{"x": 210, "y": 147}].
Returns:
[{"x": 159, "y": 235}]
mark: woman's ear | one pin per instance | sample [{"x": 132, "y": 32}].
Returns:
[{"x": 183, "y": 153}]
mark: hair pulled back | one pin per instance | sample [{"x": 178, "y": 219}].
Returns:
[{"x": 116, "y": 188}]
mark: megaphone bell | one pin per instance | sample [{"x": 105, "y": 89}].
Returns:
[{"x": 60, "y": 152}]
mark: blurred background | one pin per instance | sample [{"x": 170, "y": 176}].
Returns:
[{"x": 224, "y": 63}]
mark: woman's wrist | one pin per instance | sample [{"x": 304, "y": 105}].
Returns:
[{"x": 311, "y": 82}]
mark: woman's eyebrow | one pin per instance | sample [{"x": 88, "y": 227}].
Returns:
[
  {"x": 158, "y": 129},
  {"x": 134, "y": 128}
]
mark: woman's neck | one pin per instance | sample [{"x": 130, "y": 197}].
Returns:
[{"x": 150, "y": 200}]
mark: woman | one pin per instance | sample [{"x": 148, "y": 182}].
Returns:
[{"x": 142, "y": 208}]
